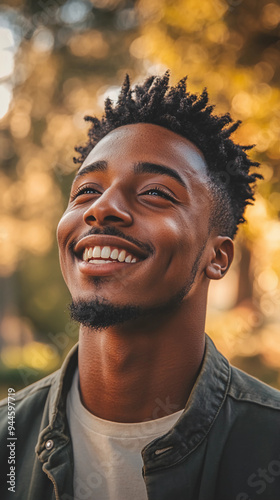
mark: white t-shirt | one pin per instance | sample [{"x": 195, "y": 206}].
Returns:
[{"x": 107, "y": 455}]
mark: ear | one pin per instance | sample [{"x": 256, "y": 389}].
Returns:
[{"x": 221, "y": 259}]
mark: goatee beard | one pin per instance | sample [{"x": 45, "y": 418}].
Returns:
[{"x": 100, "y": 314}]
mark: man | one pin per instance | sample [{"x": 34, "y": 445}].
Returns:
[{"x": 147, "y": 408}]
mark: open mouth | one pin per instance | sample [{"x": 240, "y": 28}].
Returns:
[
  {"x": 108, "y": 254},
  {"x": 102, "y": 251}
]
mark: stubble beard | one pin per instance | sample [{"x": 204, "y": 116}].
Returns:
[{"x": 100, "y": 313}]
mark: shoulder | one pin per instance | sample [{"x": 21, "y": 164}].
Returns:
[
  {"x": 24, "y": 415},
  {"x": 35, "y": 391},
  {"x": 247, "y": 389}
]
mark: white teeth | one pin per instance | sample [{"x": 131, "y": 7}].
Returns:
[
  {"x": 96, "y": 252},
  {"x": 100, "y": 261},
  {"x": 114, "y": 254},
  {"x": 105, "y": 252},
  {"x": 99, "y": 255},
  {"x": 122, "y": 255}
]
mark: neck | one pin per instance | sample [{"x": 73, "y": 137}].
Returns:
[{"x": 144, "y": 369}]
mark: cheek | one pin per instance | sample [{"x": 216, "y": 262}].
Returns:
[
  {"x": 67, "y": 227},
  {"x": 60, "y": 232},
  {"x": 178, "y": 236},
  {"x": 175, "y": 251},
  {"x": 60, "y": 235},
  {"x": 182, "y": 242},
  {"x": 62, "y": 229}
]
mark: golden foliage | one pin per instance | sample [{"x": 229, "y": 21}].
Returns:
[{"x": 225, "y": 45}]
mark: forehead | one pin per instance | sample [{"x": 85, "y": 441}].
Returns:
[{"x": 144, "y": 142}]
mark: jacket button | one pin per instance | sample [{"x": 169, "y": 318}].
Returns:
[{"x": 49, "y": 444}]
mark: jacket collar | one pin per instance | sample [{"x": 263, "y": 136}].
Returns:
[
  {"x": 200, "y": 413},
  {"x": 62, "y": 385},
  {"x": 202, "y": 408},
  {"x": 54, "y": 426}
]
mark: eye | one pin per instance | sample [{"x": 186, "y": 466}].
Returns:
[
  {"x": 160, "y": 192},
  {"x": 86, "y": 189}
]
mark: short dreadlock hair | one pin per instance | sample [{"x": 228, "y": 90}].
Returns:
[{"x": 231, "y": 183}]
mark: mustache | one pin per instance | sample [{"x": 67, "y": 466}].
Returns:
[{"x": 113, "y": 231}]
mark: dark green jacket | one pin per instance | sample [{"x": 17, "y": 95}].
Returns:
[{"x": 225, "y": 446}]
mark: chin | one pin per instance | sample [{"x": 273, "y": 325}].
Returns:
[{"x": 100, "y": 314}]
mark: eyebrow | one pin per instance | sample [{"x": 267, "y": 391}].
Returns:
[
  {"x": 97, "y": 166},
  {"x": 155, "y": 168},
  {"x": 139, "y": 168}
]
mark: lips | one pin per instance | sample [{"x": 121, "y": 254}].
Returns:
[{"x": 101, "y": 249}]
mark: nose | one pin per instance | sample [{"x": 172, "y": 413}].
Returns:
[{"x": 110, "y": 207}]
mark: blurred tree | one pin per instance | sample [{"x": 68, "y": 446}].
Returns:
[{"x": 59, "y": 60}]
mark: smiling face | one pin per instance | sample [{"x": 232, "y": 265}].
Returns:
[{"x": 136, "y": 229}]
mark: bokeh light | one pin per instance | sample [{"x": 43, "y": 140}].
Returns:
[{"x": 58, "y": 62}]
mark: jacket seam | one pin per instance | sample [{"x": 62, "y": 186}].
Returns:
[
  {"x": 252, "y": 401},
  {"x": 24, "y": 393}
]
